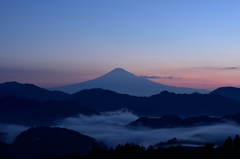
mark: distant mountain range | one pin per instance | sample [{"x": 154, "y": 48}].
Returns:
[
  {"x": 229, "y": 92},
  {"x": 23, "y": 111},
  {"x": 30, "y": 105},
  {"x": 122, "y": 81},
  {"x": 164, "y": 103},
  {"x": 172, "y": 121},
  {"x": 30, "y": 91}
]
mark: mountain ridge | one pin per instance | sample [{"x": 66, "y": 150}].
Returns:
[
  {"x": 229, "y": 92},
  {"x": 164, "y": 103},
  {"x": 29, "y": 112},
  {"x": 173, "y": 121},
  {"x": 30, "y": 91}
]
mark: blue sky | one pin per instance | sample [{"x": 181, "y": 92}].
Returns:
[{"x": 58, "y": 42}]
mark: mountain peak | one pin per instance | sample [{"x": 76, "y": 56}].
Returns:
[
  {"x": 119, "y": 72},
  {"x": 229, "y": 92},
  {"x": 118, "y": 69},
  {"x": 122, "y": 81},
  {"x": 11, "y": 83}
]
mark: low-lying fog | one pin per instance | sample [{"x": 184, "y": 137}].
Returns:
[
  {"x": 111, "y": 128},
  {"x": 9, "y": 132}
]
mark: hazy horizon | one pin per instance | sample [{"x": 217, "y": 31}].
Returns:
[{"x": 151, "y": 78}]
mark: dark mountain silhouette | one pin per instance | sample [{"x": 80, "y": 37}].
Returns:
[
  {"x": 170, "y": 121},
  {"x": 235, "y": 117},
  {"x": 186, "y": 144},
  {"x": 229, "y": 92},
  {"x": 8, "y": 94},
  {"x": 23, "y": 111},
  {"x": 30, "y": 91},
  {"x": 38, "y": 142},
  {"x": 164, "y": 103},
  {"x": 168, "y": 143},
  {"x": 106, "y": 100},
  {"x": 121, "y": 81}
]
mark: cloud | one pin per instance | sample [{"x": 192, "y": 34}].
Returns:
[
  {"x": 222, "y": 68},
  {"x": 153, "y": 77},
  {"x": 158, "y": 77},
  {"x": 10, "y": 131},
  {"x": 231, "y": 68}
]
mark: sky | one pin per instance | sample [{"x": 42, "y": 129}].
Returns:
[{"x": 59, "y": 42}]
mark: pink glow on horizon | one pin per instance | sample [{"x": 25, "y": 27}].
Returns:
[
  {"x": 198, "y": 85},
  {"x": 192, "y": 78},
  {"x": 208, "y": 78}
]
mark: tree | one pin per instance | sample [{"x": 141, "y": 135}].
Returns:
[
  {"x": 236, "y": 142},
  {"x": 209, "y": 146},
  {"x": 228, "y": 143}
]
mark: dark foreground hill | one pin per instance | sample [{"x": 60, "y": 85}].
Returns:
[
  {"x": 58, "y": 143},
  {"x": 164, "y": 103},
  {"x": 171, "y": 121},
  {"x": 38, "y": 142},
  {"x": 23, "y": 111},
  {"x": 229, "y": 92},
  {"x": 30, "y": 91}
]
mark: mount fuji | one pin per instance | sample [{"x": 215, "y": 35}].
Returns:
[{"x": 122, "y": 81}]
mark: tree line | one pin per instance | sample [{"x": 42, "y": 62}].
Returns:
[{"x": 229, "y": 150}]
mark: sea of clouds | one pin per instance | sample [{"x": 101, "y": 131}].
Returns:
[{"x": 110, "y": 127}]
